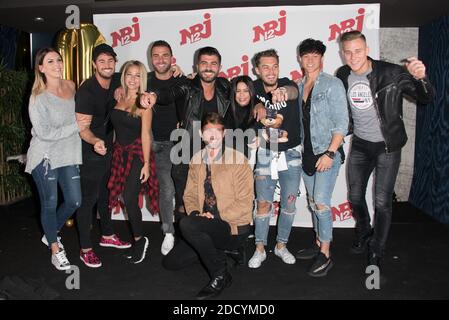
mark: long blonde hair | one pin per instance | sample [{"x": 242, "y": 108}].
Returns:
[
  {"x": 40, "y": 82},
  {"x": 142, "y": 85}
]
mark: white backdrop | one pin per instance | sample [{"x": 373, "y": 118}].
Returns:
[{"x": 238, "y": 33}]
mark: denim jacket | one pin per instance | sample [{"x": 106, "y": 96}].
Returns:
[{"x": 328, "y": 111}]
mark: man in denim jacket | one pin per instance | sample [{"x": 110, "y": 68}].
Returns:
[{"x": 324, "y": 119}]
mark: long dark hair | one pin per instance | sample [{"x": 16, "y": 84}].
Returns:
[{"x": 239, "y": 116}]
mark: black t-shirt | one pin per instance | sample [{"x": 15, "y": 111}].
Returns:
[
  {"x": 94, "y": 100},
  {"x": 164, "y": 116},
  {"x": 289, "y": 110},
  {"x": 210, "y": 105},
  {"x": 309, "y": 159}
]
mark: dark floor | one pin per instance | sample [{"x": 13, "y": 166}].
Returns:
[{"x": 416, "y": 264}]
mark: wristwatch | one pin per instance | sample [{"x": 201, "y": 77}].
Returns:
[{"x": 330, "y": 154}]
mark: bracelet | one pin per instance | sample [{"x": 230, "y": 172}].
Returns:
[{"x": 330, "y": 154}]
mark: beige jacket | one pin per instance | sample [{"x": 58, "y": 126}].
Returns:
[{"x": 233, "y": 183}]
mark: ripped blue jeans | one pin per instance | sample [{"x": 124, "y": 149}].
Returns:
[
  {"x": 47, "y": 180},
  {"x": 319, "y": 189},
  {"x": 265, "y": 188}
]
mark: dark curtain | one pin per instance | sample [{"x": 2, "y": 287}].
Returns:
[{"x": 430, "y": 186}]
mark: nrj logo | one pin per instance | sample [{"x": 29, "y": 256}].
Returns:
[
  {"x": 296, "y": 75},
  {"x": 126, "y": 35},
  {"x": 343, "y": 212},
  {"x": 347, "y": 25},
  {"x": 271, "y": 29},
  {"x": 237, "y": 70},
  {"x": 197, "y": 32}
]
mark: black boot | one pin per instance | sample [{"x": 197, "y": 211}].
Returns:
[
  {"x": 374, "y": 259},
  {"x": 360, "y": 243},
  {"x": 215, "y": 286}
]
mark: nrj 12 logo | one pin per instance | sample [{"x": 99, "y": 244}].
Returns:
[
  {"x": 347, "y": 25},
  {"x": 271, "y": 29},
  {"x": 126, "y": 35},
  {"x": 343, "y": 212},
  {"x": 197, "y": 32},
  {"x": 237, "y": 70}
]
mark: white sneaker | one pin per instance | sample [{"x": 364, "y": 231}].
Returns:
[
  {"x": 60, "y": 261},
  {"x": 257, "y": 259},
  {"x": 167, "y": 244},
  {"x": 58, "y": 239},
  {"x": 285, "y": 255}
]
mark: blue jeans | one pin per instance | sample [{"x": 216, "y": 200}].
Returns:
[
  {"x": 161, "y": 151},
  {"x": 265, "y": 187},
  {"x": 47, "y": 180},
  {"x": 319, "y": 189}
]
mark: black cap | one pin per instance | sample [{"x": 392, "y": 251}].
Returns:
[{"x": 103, "y": 48}]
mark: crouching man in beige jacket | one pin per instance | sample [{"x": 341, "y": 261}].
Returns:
[{"x": 219, "y": 203}]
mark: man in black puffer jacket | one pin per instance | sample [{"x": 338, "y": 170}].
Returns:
[{"x": 375, "y": 90}]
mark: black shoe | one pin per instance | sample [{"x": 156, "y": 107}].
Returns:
[
  {"x": 374, "y": 259},
  {"x": 309, "y": 253},
  {"x": 360, "y": 244},
  {"x": 139, "y": 250},
  {"x": 320, "y": 266},
  {"x": 215, "y": 286},
  {"x": 238, "y": 256}
]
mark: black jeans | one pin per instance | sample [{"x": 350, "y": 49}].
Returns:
[
  {"x": 94, "y": 190},
  {"x": 161, "y": 151},
  {"x": 204, "y": 239},
  {"x": 364, "y": 157}
]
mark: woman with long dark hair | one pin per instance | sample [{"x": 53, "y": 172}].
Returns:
[{"x": 243, "y": 101}]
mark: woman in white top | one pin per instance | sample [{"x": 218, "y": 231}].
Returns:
[{"x": 55, "y": 149}]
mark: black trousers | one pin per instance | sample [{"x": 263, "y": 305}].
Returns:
[
  {"x": 365, "y": 157},
  {"x": 94, "y": 190},
  {"x": 205, "y": 240},
  {"x": 131, "y": 197}
]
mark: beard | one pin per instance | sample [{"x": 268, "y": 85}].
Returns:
[
  {"x": 162, "y": 70},
  {"x": 105, "y": 76},
  {"x": 270, "y": 84},
  {"x": 208, "y": 79}
]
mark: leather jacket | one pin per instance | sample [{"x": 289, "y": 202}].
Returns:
[
  {"x": 389, "y": 83},
  {"x": 188, "y": 96}
]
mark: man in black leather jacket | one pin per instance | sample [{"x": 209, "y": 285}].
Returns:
[
  {"x": 195, "y": 97},
  {"x": 375, "y": 90}
]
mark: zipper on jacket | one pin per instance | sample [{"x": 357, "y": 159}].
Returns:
[{"x": 376, "y": 107}]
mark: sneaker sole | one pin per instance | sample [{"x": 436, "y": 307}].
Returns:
[
  {"x": 144, "y": 254},
  {"x": 62, "y": 268},
  {"x": 255, "y": 267},
  {"x": 323, "y": 274},
  {"x": 91, "y": 265},
  {"x": 107, "y": 245},
  {"x": 286, "y": 262}
]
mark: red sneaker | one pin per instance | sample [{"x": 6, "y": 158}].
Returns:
[
  {"x": 90, "y": 259},
  {"x": 114, "y": 242}
]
